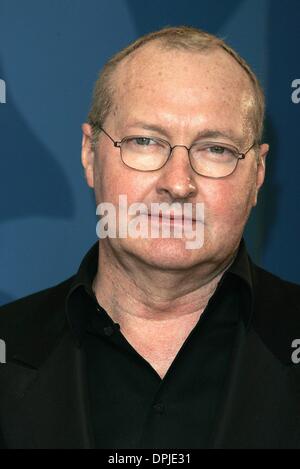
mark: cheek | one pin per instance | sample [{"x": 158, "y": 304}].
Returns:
[
  {"x": 228, "y": 202},
  {"x": 112, "y": 180}
]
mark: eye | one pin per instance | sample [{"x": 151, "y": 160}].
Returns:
[
  {"x": 220, "y": 150},
  {"x": 214, "y": 152},
  {"x": 144, "y": 141}
]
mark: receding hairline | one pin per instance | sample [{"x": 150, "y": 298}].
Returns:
[
  {"x": 185, "y": 39},
  {"x": 158, "y": 44}
]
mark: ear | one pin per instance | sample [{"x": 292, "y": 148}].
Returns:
[
  {"x": 261, "y": 169},
  {"x": 87, "y": 154}
]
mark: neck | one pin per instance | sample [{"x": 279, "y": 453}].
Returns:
[{"x": 129, "y": 290}]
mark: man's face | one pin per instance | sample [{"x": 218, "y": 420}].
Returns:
[{"x": 178, "y": 96}]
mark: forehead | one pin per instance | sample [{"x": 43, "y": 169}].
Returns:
[{"x": 183, "y": 85}]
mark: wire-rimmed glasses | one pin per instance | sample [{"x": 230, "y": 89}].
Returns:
[{"x": 207, "y": 158}]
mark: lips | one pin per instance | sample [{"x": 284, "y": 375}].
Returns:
[{"x": 171, "y": 217}]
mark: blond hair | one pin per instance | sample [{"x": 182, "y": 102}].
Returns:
[{"x": 184, "y": 38}]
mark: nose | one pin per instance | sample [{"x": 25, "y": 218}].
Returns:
[{"x": 177, "y": 177}]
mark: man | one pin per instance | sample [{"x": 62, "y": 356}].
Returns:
[{"x": 152, "y": 344}]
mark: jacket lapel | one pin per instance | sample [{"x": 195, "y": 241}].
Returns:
[
  {"x": 261, "y": 408},
  {"x": 47, "y": 407}
]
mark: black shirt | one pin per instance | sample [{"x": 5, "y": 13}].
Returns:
[{"x": 131, "y": 406}]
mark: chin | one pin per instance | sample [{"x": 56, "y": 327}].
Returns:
[{"x": 165, "y": 253}]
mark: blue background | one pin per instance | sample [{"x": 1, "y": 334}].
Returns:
[{"x": 50, "y": 55}]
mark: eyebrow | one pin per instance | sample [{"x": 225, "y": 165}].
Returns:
[
  {"x": 208, "y": 133},
  {"x": 205, "y": 133}
]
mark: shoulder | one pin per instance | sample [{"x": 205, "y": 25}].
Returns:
[
  {"x": 276, "y": 311},
  {"x": 274, "y": 289},
  {"x": 47, "y": 297},
  {"x": 36, "y": 310}
]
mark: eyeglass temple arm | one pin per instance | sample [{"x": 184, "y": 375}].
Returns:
[
  {"x": 116, "y": 143},
  {"x": 243, "y": 155}
]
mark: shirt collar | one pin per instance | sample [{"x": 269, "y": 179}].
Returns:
[
  {"x": 241, "y": 266},
  {"x": 87, "y": 270},
  {"x": 241, "y": 271},
  {"x": 81, "y": 295}
]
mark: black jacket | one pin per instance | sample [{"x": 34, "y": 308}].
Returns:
[{"x": 43, "y": 389}]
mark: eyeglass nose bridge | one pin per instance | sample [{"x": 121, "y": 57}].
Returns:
[{"x": 182, "y": 146}]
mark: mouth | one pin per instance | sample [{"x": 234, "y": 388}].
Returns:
[{"x": 171, "y": 218}]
